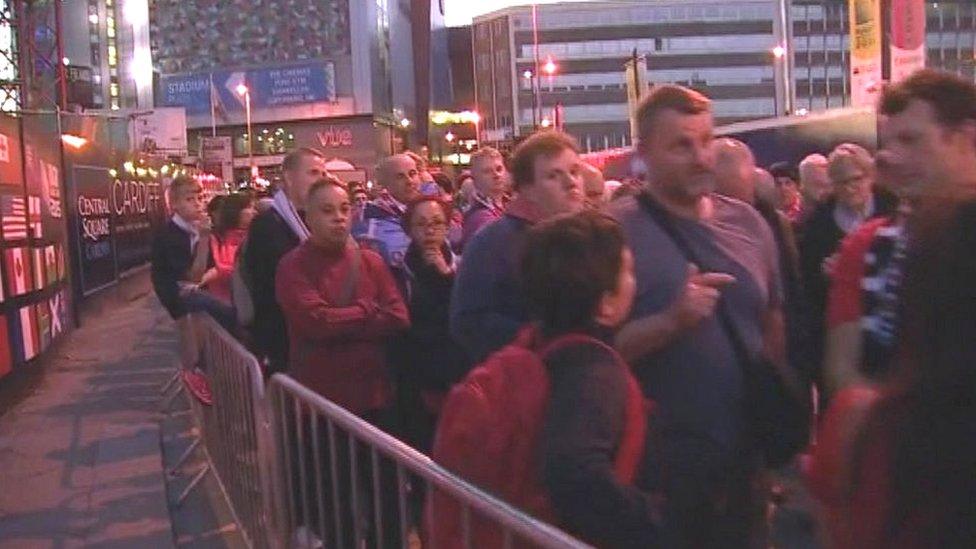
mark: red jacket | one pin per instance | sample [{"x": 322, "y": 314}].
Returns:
[
  {"x": 851, "y": 472},
  {"x": 224, "y": 252},
  {"x": 340, "y": 352}
]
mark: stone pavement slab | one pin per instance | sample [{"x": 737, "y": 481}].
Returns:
[{"x": 80, "y": 461}]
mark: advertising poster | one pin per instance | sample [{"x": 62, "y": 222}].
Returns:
[
  {"x": 96, "y": 253},
  {"x": 866, "y": 76},
  {"x": 907, "y": 38}
]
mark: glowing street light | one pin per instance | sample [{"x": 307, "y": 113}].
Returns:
[
  {"x": 449, "y": 136},
  {"x": 528, "y": 74},
  {"x": 546, "y": 123},
  {"x": 779, "y": 52},
  {"x": 405, "y": 122},
  {"x": 550, "y": 67}
]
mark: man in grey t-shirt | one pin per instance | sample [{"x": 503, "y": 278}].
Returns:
[{"x": 675, "y": 341}]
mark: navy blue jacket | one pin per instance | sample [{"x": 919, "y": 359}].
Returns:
[{"x": 487, "y": 306}]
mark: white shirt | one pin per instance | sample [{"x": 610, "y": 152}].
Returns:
[{"x": 189, "y": 228}]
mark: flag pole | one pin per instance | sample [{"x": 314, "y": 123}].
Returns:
[{"x": 213, "y": 111}]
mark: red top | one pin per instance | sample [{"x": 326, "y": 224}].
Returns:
[
  {"x": 224, "y": 252},
  {"x": 340, "y": 352},
  {"x": 844, "y": 302},
  {"x": 850, "y": 474}
]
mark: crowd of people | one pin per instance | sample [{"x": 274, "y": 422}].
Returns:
[{"x": 823, "y": 310}]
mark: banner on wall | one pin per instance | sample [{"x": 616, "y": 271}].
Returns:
[
  {"x": 42, "y": 169},
  {"x": 907, "y": 38},
  {"x": 11, "y": 166},
  {"x": 866, "y": 75},
  {"x": 137, "y": 210},
  {"x": 96, "y": 252}
]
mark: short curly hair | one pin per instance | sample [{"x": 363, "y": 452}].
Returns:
[{"x": 568, "y": 264}]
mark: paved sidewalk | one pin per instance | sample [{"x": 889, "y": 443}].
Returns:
[{"x": 80, "y": 461}]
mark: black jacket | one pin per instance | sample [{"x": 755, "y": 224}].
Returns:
[
  {"x": 433, "y": 360},
  {"x": 821, "y": 239},
  {"x": 268, "y": 240},
  {"x": 171, "y": 261},
  {"x": 583, "y": 427}
]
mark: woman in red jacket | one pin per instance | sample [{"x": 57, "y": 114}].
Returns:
[
  {"x": 895, "y": 465},
  {"x": 233, "y": 217},
  {"x": 341, "y": 306}
]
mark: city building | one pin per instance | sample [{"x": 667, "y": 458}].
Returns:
[
  {"x": 107, "y": 52},
  {"x": 568, "y": 65},
  {"x": 294, "y": 74}
]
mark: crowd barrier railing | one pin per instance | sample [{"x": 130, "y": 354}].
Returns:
[
  {"x": 299, "y": 471},
  {"x": 235, "y": 430},
  {"x": 346, "y": 483}
]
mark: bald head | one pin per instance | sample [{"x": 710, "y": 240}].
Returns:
[
  {"x": 398, "y": 174},
  {"x": 814, "y": 181},
  {"x": 593, "y": 184},
  {"x": 734, "y": 169},
  {"x": 765, "y": 186}
]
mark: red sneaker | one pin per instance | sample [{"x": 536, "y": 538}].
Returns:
[{"x": 198, "y": 386}]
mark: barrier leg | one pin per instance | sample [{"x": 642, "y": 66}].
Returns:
[
  {"x": 185, "y": 456},
  {"x": 172, "y": 380},
  {"x": 193, "y": 484}
]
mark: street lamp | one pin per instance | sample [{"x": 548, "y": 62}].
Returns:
[
  {"x": 244, "y": 92},
  {"x": 779, "y": 54},
  {"x": 550, "y": 69},
  {"x": 449, "y": 136},
  {"x": 530, "y": 78},
  {"x": 405, "y": 122}
]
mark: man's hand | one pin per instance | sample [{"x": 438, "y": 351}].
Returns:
[{"x": 699, "y": 297}]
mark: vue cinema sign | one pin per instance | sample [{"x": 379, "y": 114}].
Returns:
[{"x": 335, "y": 137}]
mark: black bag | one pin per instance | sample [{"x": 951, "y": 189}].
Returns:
[{"x": 776, "y": 411}]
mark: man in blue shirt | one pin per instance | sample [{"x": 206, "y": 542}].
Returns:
[{"x": 676, "y": 341}]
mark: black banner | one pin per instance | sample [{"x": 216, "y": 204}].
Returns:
[
  {"x": 137, "y": 210},
  {"x": 96, "y": 251}
]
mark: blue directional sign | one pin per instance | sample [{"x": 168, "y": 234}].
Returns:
[{"x": 269, "y": 87}]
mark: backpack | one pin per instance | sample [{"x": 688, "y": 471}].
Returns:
[
  {"x": 240, "y": 289},
  {"x": 489, "y": 430}
]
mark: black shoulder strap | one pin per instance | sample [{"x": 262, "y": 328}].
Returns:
[{"x": 665, "y": 220}]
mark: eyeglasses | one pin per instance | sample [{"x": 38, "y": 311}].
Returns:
[{"x": 436, "y": 225}]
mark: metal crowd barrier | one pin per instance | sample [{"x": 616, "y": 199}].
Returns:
[
  {"x": 346, "y": 483},
  {"x": 235, "y": 430},
  {"x": 302, "y": 472}
]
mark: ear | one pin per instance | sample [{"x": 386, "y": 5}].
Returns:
[{"x": 605, "y": 310}]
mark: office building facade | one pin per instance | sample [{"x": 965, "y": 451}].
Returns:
[{"x": 728, "y": 50}]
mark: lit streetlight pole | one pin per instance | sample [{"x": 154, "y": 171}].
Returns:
[
  {"x": 244, "y": 92},
  {"x": 530, "y": 78},
  {"x": 550, "y": 69},
  {"x": 779, "y": 54}
]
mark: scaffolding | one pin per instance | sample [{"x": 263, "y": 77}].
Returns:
[{"x": 32, "y": 70}]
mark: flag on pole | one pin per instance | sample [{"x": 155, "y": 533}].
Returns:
[
  {"x": 37, "y": 257},
  {"x": 6, "y": 360},
  {"x": 216, "y": 107},
  {"x": 34, "y": 216},
  {"x": 50, "y": 264},
  {"x": 18, "y": 271},
  {"x": 13, "y": 217}
]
